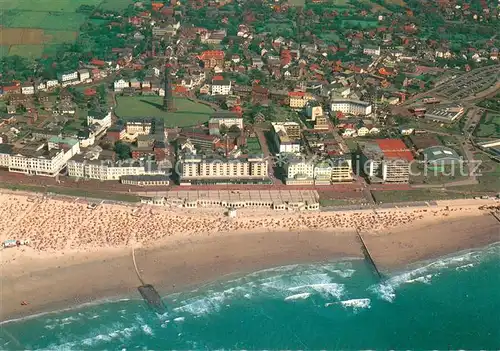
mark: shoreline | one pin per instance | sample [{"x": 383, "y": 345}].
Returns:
[{"x": 181, "y": 251}]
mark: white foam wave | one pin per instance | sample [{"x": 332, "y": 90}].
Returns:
[
  {"x": 147, "y": 329},
  {"x": 464, "y": 267},
  {"x": 356, "y": 303},
  {"x": 347, "y": 273},
  {"x": 179, "y": 319},
  {"x": 324, "y": 289},
  {"x": 426, "y": 279},
  {"x": 212, "y": 302},
  {"x": 103, "y": 335},
  {"x": 387, "y": 290},
  {"x": 301, "y": 296}
]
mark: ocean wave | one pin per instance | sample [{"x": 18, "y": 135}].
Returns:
[
  {"x": 280, "y": 282},
  {"x": 356, "y": 303},
  {"x": 386, "y": 290},
  {"x": 301, "y": 296},
  {"x": 115, "y": 332},
  {"x": 200, "y": 306},
  {"x": 179, "y": 319},
  {"x": 73, "y": 308}
]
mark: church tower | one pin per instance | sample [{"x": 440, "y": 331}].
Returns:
[{"x": 168, "y": 100}]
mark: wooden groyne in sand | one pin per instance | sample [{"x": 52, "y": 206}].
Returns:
[
  {"x": 148, "y": 291},
  {"x": 367, "y": 254}
]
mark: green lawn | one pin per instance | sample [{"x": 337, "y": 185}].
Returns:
[
  {"x": 363, "y": 24},
  {"x": 51, "y": 5},
  {"x": 188, "y": 112},
  {"x": 253, "y": 146},
  {"x": 60, "y": 36},
  {"x": 69, "y": 21},
  {"x": 32, "y": 51},
  {"x": 4, "y": 50},
  {"x": 391, "y": 196},
  {"x": 115, "y": 5}
]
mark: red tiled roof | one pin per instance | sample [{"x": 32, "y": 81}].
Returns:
[
  {"x": 218, "y": 78},
  {"x": 394, "y": 148},
  {"x": 89, "y": 92},
  {"x": 97, "y": 62},
  {"x": 209, "y": 54},
  {"x": 296, "y": 94}
]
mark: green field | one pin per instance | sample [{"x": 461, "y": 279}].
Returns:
[
  {"x": 188, "y": 112},
  {"x": 32, "y": 51},
  {"x": 58, "y": 18},
  {"x": 115, "y": 5},
  {"x": 362, "y": 24},
  {"x": 47, "y": 5},
  {"x": 4, "y": 50},
  {"x": 392, "y": 196},
  {"x": 489, "y": 127},
  {"x": 253, "y": 146}
]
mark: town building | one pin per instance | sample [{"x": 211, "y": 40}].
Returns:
[
  {"x": 108, "y": 169},
  {"x": 121, "y": 84},
  {"x": 298, "y": 99},
  {"x": 221, "y": 87},
  {"x": 287, "y": 137},
  {"x": 44, "y": 159},
  {"x": 371, "y": 50},
  {"x": 27, "y": 89},
  {"x": 227, "y": 118},
  {"x": 386, "y": 161},
  {"x": 84, "y": 75},
  {"x": 440, "y": 157},
  {"x": 101, "y": 120},
  {"x": 68, "y": 78},
  {"x": 445, "y": 113},
  {"x": 197, "y": 169},
  {"x": 139, "y": 127},
  {"x": 146, "y": 180},
  {"x": 354, "y": 107},
  {"x": 212, "y": 58},
  {"x": 299, "y": 172}
]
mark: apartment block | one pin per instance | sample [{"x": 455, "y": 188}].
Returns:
[{"x": 197, "y": 169}]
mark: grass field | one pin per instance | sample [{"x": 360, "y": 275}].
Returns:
[
  {"x": 296, "y": 2},
  {"x": 47, "y": 5},
  {"x": 415, "y": 195},
  {"x": 489, "y": 127},
  {"x": 44, "y": 22},
  {"x": 115, "y": 5},
  {"x": 188, "y": 112},
  {"x": 4, "y": 50},
  {"x": 363, "y": 24},
  {"x": 32, "y": 51},
  {"x": 396, "y": 2}
]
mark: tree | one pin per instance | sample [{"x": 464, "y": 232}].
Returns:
[
  {"x": 122, "y": 150},
  {"x": 223, "y": 129}
]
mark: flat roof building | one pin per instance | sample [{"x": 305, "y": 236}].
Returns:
[
  {"x": 445, "y": 113},
  {"x": 386, "y": 161}
]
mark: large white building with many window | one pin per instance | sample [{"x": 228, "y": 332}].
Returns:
[
  {"x": 44, "y": 159},
  {"x": 353, "y": 107},
  {"x": 199, "y": 169}
]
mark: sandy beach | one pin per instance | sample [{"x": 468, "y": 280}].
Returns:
[{"x": 78, "y": 255}]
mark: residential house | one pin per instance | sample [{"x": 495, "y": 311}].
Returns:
[
  {"x": 84, "y": 75},
  {"x": 221, "y": 87},
  {"x": 27, "y": 89},
  {"x": 120, "y": 84}
]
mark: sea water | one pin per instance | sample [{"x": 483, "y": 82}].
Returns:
[{"x": 451, "y": 303}]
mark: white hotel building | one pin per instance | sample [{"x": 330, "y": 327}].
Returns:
[
  {"x": 44, "y": 159},
  {"x": 353, "y": 107},
  {"x": 110, "y": 170}
]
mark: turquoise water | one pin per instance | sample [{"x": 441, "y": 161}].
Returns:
[{"x": 449, "y": 303}]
